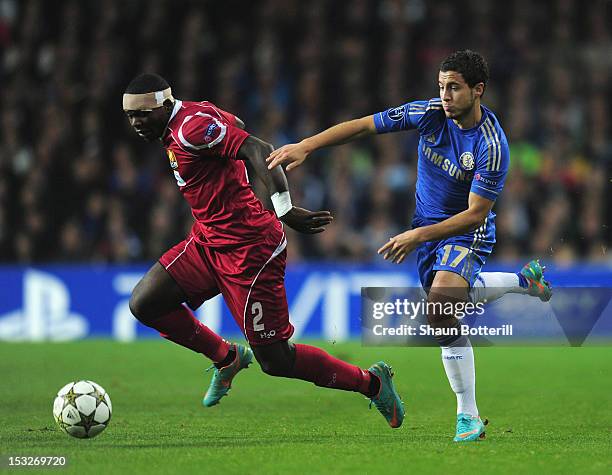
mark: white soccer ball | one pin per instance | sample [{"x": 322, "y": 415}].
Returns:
[{"x": 82, "y": 409}]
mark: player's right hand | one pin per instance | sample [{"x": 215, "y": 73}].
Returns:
[
  {"x": 293, "y": 154},
  {"x": 307, "y": 222}
]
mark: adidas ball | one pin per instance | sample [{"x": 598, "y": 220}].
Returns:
[{"x": 82, "y": 409}]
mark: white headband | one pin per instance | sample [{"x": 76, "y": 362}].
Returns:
[{"x": 146, "y": 101}]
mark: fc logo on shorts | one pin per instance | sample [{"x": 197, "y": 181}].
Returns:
[
  {"x": 172, "y": 157},
  {"x": 467, "y": 161}
]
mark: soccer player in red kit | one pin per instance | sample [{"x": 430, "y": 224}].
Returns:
[{"x": 236, "y": 247}]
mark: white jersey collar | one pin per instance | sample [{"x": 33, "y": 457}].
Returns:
[{"x": 177, "y": 106}]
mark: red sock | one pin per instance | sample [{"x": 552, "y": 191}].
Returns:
[
  {"x": 315, "y": 365},
  {"x": 182, "y": 327}
]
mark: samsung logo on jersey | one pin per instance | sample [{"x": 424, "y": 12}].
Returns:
[
  {"x": 445, "y": 164},
  {"x": 397, "y": 113}
]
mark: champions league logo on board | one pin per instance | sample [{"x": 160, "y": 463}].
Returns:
[
  {"x": 467, "y": 161},
  {"x": 396, "y": 114}
]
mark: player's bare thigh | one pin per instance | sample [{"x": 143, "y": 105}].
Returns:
[
  {"x": 446, "y": 287},
  {"x": 155, "y": 295}
]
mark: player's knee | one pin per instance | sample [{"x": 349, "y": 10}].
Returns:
[
  {"x": 136, "y": 306},
  {"x": 439, "y": 309},
  {"x": 276, "y": 366},
  {"x": 139, "y": 306},
  {"x": 276, "y": 359}
]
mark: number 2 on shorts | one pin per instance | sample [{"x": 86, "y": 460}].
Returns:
[{"x": 257, "y": 312}]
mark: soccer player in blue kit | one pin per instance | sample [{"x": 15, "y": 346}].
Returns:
[{"x": 463, "y": 160}]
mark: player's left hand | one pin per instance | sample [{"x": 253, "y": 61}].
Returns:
[
  {"x": 400, "y": 246},
  {"x": 307, "y": 222}
]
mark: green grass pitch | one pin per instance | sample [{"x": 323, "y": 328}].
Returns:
[{"x": 550, "y": 411}]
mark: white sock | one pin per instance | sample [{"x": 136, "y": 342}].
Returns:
[
  {"x": 458, "y": 360},
  {"x": 490, "y": 286}
]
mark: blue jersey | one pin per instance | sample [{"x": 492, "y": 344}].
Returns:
[{"x": 452, "y": 162}]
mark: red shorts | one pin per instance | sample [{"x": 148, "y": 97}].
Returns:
[{"x": 251, "y": 279}]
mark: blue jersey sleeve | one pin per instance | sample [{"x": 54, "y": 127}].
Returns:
[
  {"x": 491, "y": 165},
  {"x": 412, "y": 115}
]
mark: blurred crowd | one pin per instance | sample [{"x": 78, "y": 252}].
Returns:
[{"x": 76, "y": 184}]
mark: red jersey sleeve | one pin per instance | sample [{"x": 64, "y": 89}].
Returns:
[
  {"x": 211, "y": 136},
  {"x": 231, "y": 118}
]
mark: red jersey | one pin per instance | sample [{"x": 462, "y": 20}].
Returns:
[{"x": 202, "y": 142}]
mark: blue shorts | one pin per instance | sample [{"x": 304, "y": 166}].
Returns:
[{"x": 464, "y": 254}]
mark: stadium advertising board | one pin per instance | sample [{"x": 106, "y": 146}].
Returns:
[{"x": 62, "y": 303}]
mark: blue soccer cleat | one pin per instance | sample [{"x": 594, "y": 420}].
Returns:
[
  {"x": 387, "y": 401},
  {"x": 533, "y": 272},
  {"x": 470, "y": 428},
  {"x": 222, "y": 378}
]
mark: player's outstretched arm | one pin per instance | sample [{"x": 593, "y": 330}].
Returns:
[
  {"x": 294, "y": 154},
  {"x": 302, "y": 220},
  {"x": 398, "y": 247}
]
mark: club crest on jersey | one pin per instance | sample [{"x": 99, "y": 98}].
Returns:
[
  {"x": 467, "y": 161},
  {"x": 172, "y": 158},
  {"x": 431, "y": 138},
  {"x": 397, "y": 113}
]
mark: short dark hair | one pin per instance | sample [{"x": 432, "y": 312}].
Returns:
[
  {"x": 147, "y": 82},
  {"x": 471, "y": 65}
]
